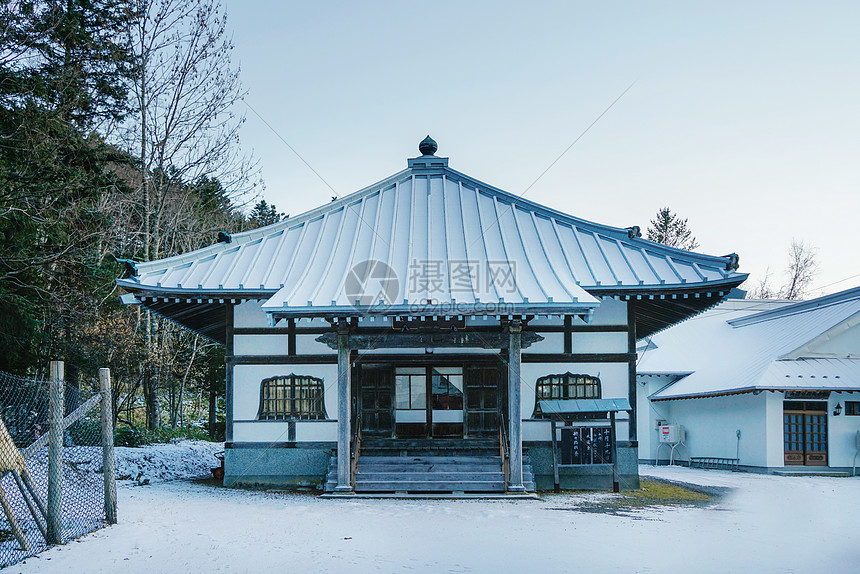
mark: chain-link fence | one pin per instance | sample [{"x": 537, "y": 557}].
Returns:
[{"x": 56, "y": 462}]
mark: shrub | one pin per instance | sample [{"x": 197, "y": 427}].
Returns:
[
  {"x": 129, "y": 436},
  {"x": 86, "y": 432}
]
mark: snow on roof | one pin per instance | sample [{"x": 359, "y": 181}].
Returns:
[
  {"x": 442, "y": 236},
  {"x": 738, "y": 345}
]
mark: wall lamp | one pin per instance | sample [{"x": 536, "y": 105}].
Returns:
[{"x": 837, "y": 410}]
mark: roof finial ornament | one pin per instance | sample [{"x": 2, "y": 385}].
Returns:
[{"x": 428, "y": 146}]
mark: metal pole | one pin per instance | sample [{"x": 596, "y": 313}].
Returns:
[
  {"x": 344, "y": 483},
  {"x": 515, "y": 482},
  {"x": 55, "y": 453},
  {"x": 557, "y": 484},
  {"x": 107, "y": 446},
  {"x": 614, "y": 451}
]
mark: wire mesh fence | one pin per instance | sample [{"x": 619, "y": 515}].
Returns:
[{"x": 51, "y": 491}]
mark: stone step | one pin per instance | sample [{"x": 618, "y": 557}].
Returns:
[
  {"x": 430, "y": 459},
  {"x": 468, "y": 476},
  {"x": 431, "y": 444},
  {"x": 429, "y": 486}
]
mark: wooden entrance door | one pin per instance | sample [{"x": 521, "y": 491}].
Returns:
[
  {"x": 482, "y": 401},
  {"x": 376, "y": 400},
  {"x": 805, "y": 433}
]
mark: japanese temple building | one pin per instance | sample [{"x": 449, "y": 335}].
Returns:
[{"x": 431, "y": 333}]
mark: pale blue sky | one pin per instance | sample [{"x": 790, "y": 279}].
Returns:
[{"x": 745, "y": 117}]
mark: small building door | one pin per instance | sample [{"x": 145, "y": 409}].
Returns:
[
  {"x": 483, "y": 401},
  {"x": 376, "y": 391},
  {"x": 804, "y": 426}
]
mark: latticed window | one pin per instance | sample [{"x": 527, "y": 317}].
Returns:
[
  {"x": 567, "y": 386},
  {"x": 291, "y": 397}
]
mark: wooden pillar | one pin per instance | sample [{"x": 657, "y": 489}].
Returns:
[
  {"x": 515, "y": 479},
  {"x": 631, "y": 369},
  {"x": 107, "y": 446},
  {"x": 228, "y": 384},
  {"x": 344, "y": 481},
  {"x": 56, "y": 406}
]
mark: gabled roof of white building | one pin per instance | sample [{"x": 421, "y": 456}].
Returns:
[
  {"x": 751, "y": 345},
  {"x": 435, "y": 234}
]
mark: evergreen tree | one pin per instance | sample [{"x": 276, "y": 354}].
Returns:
[
  {"x": 62, "y": 75},
  {"x": 264, "y": 214},
  {"x": 669, "y": 229}
]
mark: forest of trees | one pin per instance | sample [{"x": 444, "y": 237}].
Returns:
[{"x": 118, "y": 140}]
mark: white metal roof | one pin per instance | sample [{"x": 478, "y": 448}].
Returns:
[
  {"x": 746, "y": 345},
  {"x": 472, "y": 236},
  {"x": 437, "y": 235},
  {"x": 575, "y": 406},
  {"x": 818, "y": 374}
]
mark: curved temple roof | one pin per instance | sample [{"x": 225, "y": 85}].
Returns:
[{"x": 433, "y": 234}]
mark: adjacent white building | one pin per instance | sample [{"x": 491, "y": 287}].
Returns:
[{"x": 768, "y": 385}]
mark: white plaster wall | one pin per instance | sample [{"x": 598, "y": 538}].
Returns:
[
  {"x": 610, "y": 312},
  {"x": 537, "y": 430},
  {"x": 257, "y": 345},
  {"x": 269, "y": 431},
  {"x": 316, "y": 431},
  {"x": 308, "y": 345},
  {"x": 247, "y": 380},
  {"x": 775, "y": 456},
  {"x": 249, "y": 315},
  {"x": 842, "y": 429},
  {"x": 599, "y": 342},
  {"x": 552, "y": 343},
  {"x": 711, "y": 424}
]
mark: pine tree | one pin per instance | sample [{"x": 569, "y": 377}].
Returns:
[
  {"x": 669, "y": 229},
  {"x": 264, "y": 214}
]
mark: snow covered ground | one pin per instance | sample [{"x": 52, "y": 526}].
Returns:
[
  {"x": 764, "y": 524},
  {"x": 160, "y": 462}
]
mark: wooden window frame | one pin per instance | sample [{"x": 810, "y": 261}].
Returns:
[
  {"x": 561, "y": 386},
  {"x": 305, "y": 400},
  {"x": 852, "y": 408}
]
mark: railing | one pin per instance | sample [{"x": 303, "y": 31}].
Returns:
[
  {"x": 503, "y": 448},
  {"x": 714, "y": 462},
  {"x": 356, "y": 448}
]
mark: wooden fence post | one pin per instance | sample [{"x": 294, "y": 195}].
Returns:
[
  {"x": 56, "y": 404},
  {"x": 107, "y": 446}
]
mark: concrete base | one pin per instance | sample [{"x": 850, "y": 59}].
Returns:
[
  {"x": 780, "y": 470},
  {"x": 280, "y": 466},
  {"x": 586, "y": 477},
  {"x": 435, "y": 496}
]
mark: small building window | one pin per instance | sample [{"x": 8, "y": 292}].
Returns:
[
  {"x": 291, "y": 397},
  {"x": 567, "y": 386},
  {"x": 852, "y": 408}
]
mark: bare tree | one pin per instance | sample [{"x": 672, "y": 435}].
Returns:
[
  {"x": 669, "y": 229},
  {"x": 764, "y": 289},
  {"x": 802, "y": 268},
  {"x": 184, "y": 130}
]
